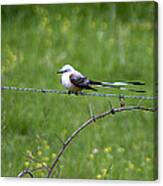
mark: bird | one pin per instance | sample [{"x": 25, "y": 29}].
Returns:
[{"x": 75, "y": 81}]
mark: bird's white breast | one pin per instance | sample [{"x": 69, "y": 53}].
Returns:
[{"x": 65, "y": 80}]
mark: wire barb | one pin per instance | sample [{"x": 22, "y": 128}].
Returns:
[
  {"x": 79, "y": 93},
  {"x": 59, "y": 138}
]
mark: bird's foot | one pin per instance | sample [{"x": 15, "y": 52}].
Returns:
[
  {"x": 69, "y": 92},
  {"x": 73, "y": 92},
  {"x": 76, "y": 93}
]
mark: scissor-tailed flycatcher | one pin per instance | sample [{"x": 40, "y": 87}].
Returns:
[{"x": 74, "y": 81}]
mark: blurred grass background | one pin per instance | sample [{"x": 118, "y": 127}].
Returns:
[{"x": 106, "y": 41}]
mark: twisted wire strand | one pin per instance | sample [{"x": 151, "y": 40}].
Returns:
[{"x": 79, "y": 93}]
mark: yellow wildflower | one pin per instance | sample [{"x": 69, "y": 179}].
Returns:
[
  {"x": 148, "y": 159},
  {"x": 38, "y": 165},
  {"x": 26, "y": 163},
  {"x": 99, "y": 176},
  {"x": 108, "y": 149},
  {"x": 39, "y": 153},
  {"x": 53, "y": 155},
  {"x": 29, "y": 153},
  {"x": 131, "y": 166},
  {"x": 47, "y": 146},
  {"x": 44, "y": 164},
  {"x": 91, "y": 156}
]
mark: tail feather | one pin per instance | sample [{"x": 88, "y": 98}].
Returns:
[
  {"x": 132, "y": 90},
  {"x": 136, "y": 83},
  {"x": 95, "y": 82},
  {"x": 119, "y": 85}
]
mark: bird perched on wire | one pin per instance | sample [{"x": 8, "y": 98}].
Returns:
[{"x": 74, "y": 81}]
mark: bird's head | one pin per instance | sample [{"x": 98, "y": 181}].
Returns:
[{"x": 66, "y": 68}]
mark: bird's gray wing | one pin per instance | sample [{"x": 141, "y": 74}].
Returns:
[{"x": 80, "y": 81}]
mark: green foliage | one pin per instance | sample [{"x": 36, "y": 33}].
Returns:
[{"x": 108, "y": 42}]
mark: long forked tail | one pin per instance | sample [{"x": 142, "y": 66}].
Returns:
[{"x": 120, "y": 85}]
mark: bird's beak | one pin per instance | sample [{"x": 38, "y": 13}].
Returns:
[{"x": 60, "y": 72}]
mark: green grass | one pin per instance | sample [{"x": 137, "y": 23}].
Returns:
[{"x": 106, "y": 42}]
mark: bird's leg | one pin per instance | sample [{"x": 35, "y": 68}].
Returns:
[
  {"x": 76, "y": 93},
  {"x": 69, "y": 92},
  {"x": 73, "y": 92}
]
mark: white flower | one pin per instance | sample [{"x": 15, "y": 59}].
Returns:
[{"x": 95, "y": 151}]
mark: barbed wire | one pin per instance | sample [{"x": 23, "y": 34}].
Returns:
[{"x": 79, "y": 93}]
